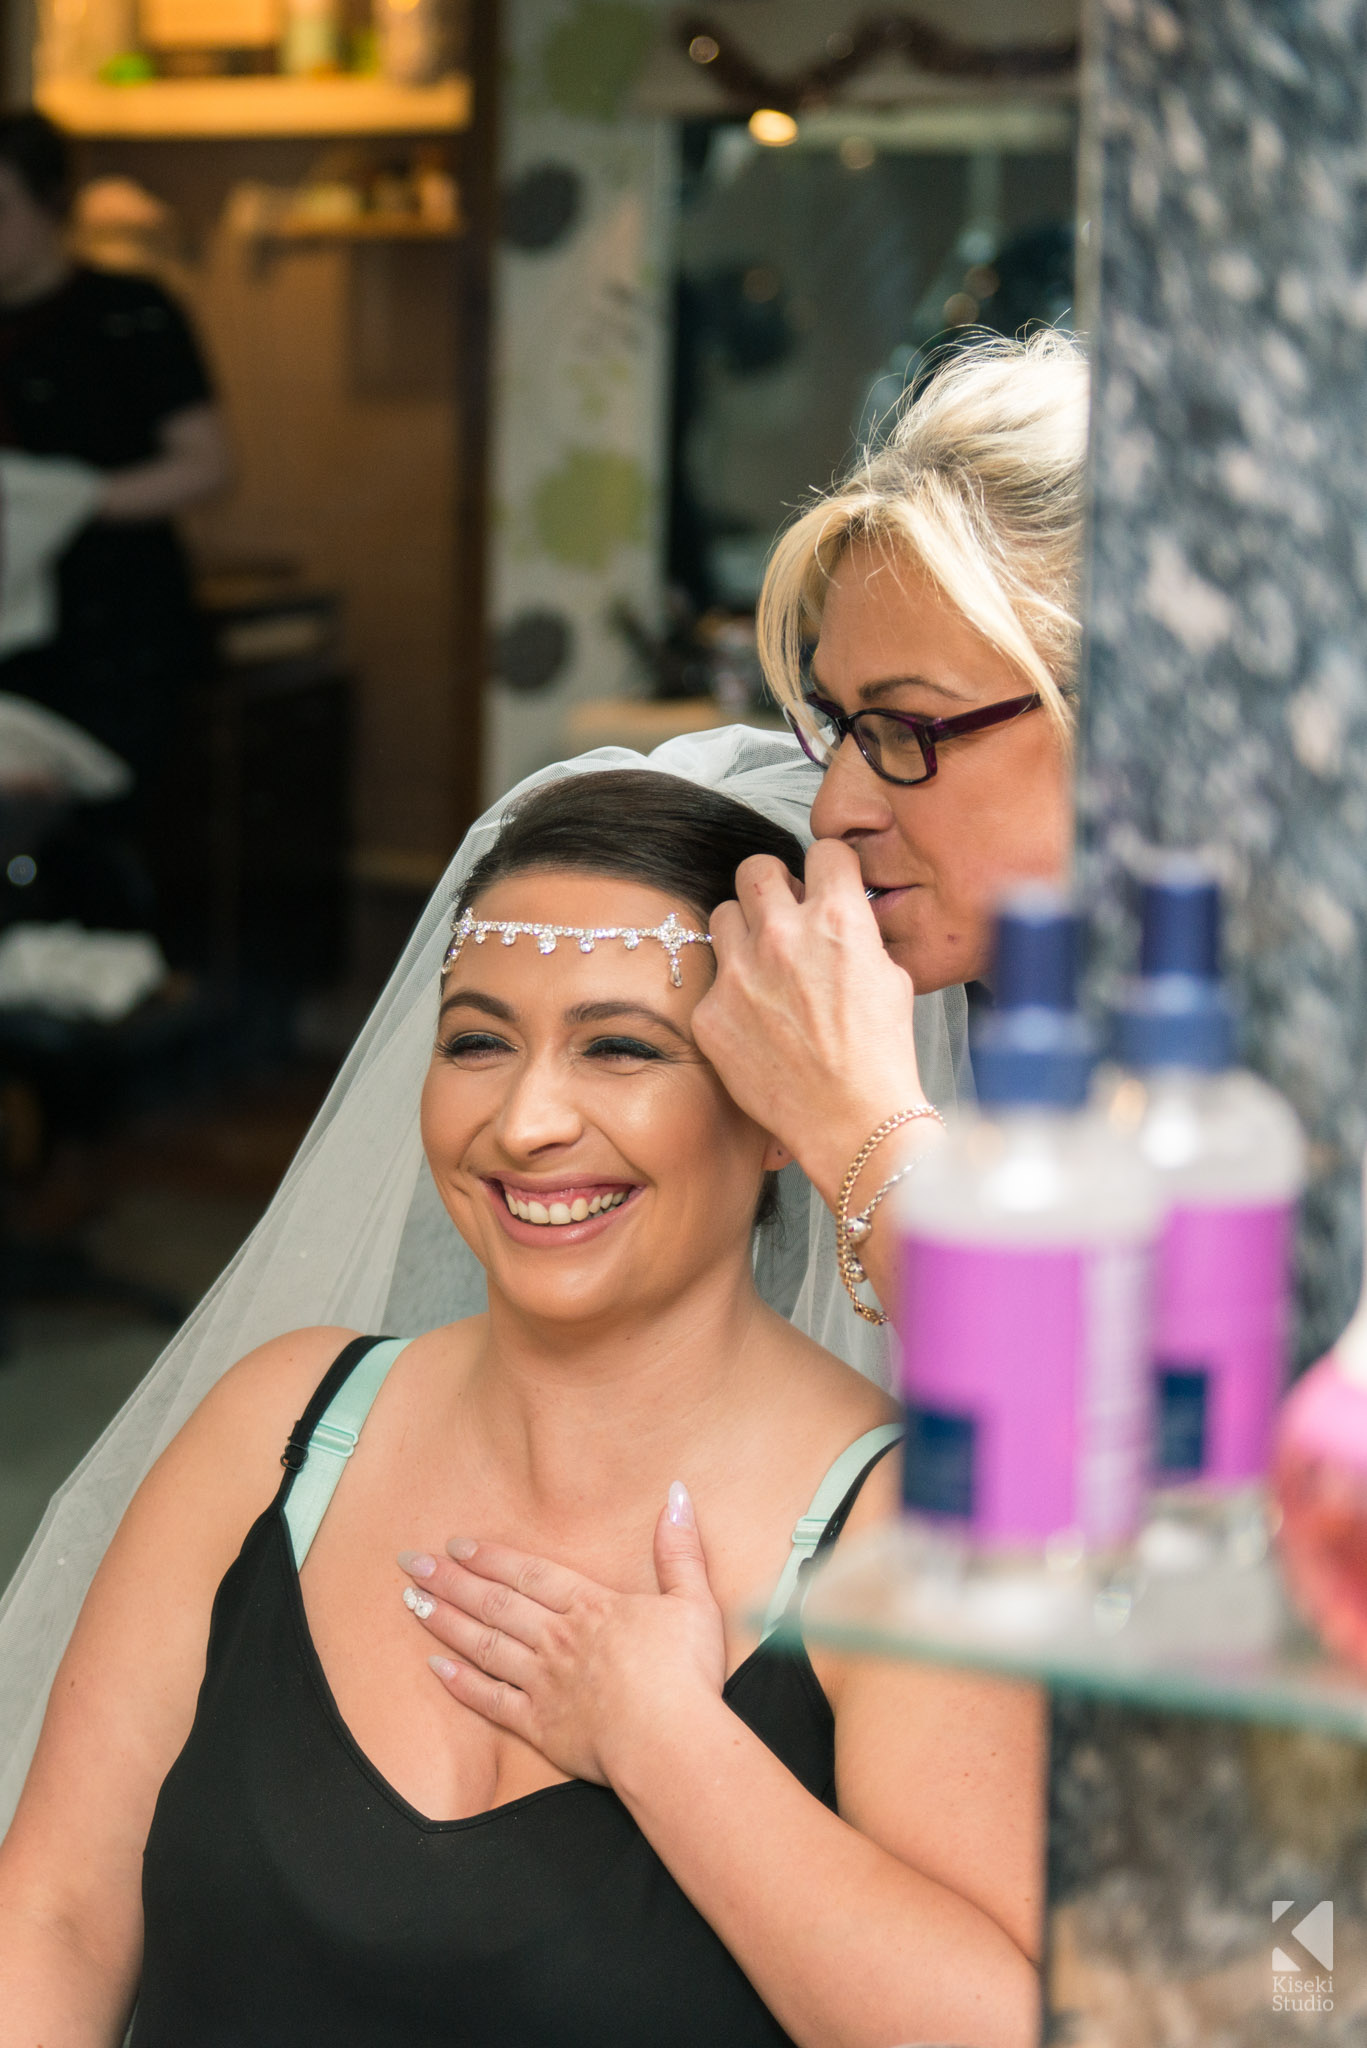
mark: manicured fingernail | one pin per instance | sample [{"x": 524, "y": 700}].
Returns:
[
  {"x": 418, "y": 1603},
  {"x": 461, "y": 1546},
  {"x": 680, "y": 1506},
  {"x": 417, "y": 1564},
  {"x": 443, "y": 1667}
]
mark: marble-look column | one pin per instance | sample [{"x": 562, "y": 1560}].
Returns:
[
  {"x": 1226, "y": 180},
  {"x": 1226, "y": 184},
  {"x": 1187, "y": 1860}
]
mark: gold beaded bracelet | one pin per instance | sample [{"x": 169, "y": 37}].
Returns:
[{"x": 852, "y": 1230}]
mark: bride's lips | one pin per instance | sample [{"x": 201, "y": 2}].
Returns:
[{"x": 553, "y": 1201}]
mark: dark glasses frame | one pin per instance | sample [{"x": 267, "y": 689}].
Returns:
[{"x": 927, "y": 730}]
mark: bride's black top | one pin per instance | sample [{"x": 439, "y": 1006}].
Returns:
[{"x": 292, "y": 1899}]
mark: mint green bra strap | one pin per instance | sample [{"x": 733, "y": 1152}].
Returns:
[
  {"x": 333, "y": 1440},
  {"x": 825, "y": 1501}
]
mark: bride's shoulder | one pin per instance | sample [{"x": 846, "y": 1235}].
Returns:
[
  {"x": 826, "y": 1383},
  {"x": 263, "y": 1395},
  {"x": 226, "y": 1455},
  {"x": 829, "y": 1406},
  {"x": 816, "y": 1408},
  {"x": 219, "y": 1472},
  {"x": 251, "y": 1411}
]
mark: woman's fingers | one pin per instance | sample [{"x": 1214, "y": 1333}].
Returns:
[
  {"x": 492, "y": 1597},
  {"x": 727, "y": 929},
  {"x": 765, "y": 888},
  {"x": 770, "y": 899},
  {"x": 809, "y": 1023},
  {"x": 534, "y": 1578},
  {"x": 497, "y": 1701},
  {"x": 481, "y": 1643},
  {"x": 833, "y": 870}
]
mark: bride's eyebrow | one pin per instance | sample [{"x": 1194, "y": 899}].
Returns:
[
  {"x": 604, "y": 1012},
  {"x": 475, "y": 999}
]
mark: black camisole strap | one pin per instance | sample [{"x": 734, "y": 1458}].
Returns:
[
  {"x": 337, "y": 1374},
  {"x": 830, "y": 1535}
]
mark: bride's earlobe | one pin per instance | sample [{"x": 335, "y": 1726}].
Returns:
[{"x": 776, "y": 1155}]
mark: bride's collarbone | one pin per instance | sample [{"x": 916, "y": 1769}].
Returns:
[{"x": 405, "y": 1492}]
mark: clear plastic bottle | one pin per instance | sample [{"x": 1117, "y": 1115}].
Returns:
[
  {"x": 1023, "y": 1308},
  {"x": 1229, "y": 1153},
  {"x": 1231, "y": 1158}
]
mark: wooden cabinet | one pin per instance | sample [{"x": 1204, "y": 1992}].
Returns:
[{"x": 252, "y": 833}]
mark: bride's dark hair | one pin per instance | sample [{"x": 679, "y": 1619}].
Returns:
[{"x": 640, "y": 826}]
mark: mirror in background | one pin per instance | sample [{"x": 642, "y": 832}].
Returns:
[
  {"x": 724, "y": 253},
  {"x": 814, "y": 284}
]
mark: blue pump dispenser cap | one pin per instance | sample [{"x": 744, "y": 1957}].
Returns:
[
  {"x": 1180, "y": 919},
  {"x": 1176, "y": 1013},
  {"x": 1034, "y": 1046}
]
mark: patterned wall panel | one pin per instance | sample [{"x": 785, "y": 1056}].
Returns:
[
  {"x": 580, "y": 367},
  {"x": 1228, "y": 599}
]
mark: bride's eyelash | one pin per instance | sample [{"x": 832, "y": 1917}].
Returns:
[
  {"x": 625, "y": 1048},
  {"x": 471, "y": 1044},
  {"x": 463, "y": 1042}
]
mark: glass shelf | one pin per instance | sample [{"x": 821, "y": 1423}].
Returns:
[
  {"x": 864, "y": 1601},
  {"x": 174, "y": 108}
]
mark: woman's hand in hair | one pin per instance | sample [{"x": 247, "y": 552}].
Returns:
[
  {"x": 584, "y": 1674},
  {"x": 809, "y": 1022}
]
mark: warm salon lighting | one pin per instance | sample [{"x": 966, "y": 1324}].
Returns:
[
  {"x": 704, "y": 49},
  {"x": 773, "y": 129}
]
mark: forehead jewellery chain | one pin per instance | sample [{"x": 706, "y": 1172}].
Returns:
[{"x": 672, "y": 935}]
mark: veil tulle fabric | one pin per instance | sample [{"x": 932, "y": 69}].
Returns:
[{"x": 357, "y": 1236}]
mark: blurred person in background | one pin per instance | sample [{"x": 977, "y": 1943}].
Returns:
[
  {"x": 102, "y": 367},
  {"x": 108, "y": 428}
]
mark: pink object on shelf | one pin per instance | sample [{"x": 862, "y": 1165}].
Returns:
[{"x": 1320, "y": 1478}]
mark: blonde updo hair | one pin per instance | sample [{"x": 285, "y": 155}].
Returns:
[{"x": 980, "y": 485}]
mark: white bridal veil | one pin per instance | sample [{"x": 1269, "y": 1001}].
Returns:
[{"x": 357, "y": 1236}]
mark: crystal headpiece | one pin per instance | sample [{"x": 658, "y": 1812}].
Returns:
[{"x": 672, "y": 935}]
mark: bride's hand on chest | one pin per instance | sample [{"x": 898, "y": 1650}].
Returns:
[{"x": 581, "y": 1672}]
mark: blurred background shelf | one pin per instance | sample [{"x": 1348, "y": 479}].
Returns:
[
  {"x": 247, "y": 107},
  {"x": 860, "y": 1606},
  {"x": 644, "y": 722},
  {"x": 369, "y": 228}
]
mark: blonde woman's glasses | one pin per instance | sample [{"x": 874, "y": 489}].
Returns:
[{"x": 898, "y": 745}]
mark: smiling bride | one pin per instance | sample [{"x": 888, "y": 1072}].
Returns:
[{"x": 456, "y": 1730}]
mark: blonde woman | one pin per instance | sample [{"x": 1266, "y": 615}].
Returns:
[{"x": 919, "y": 627}]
